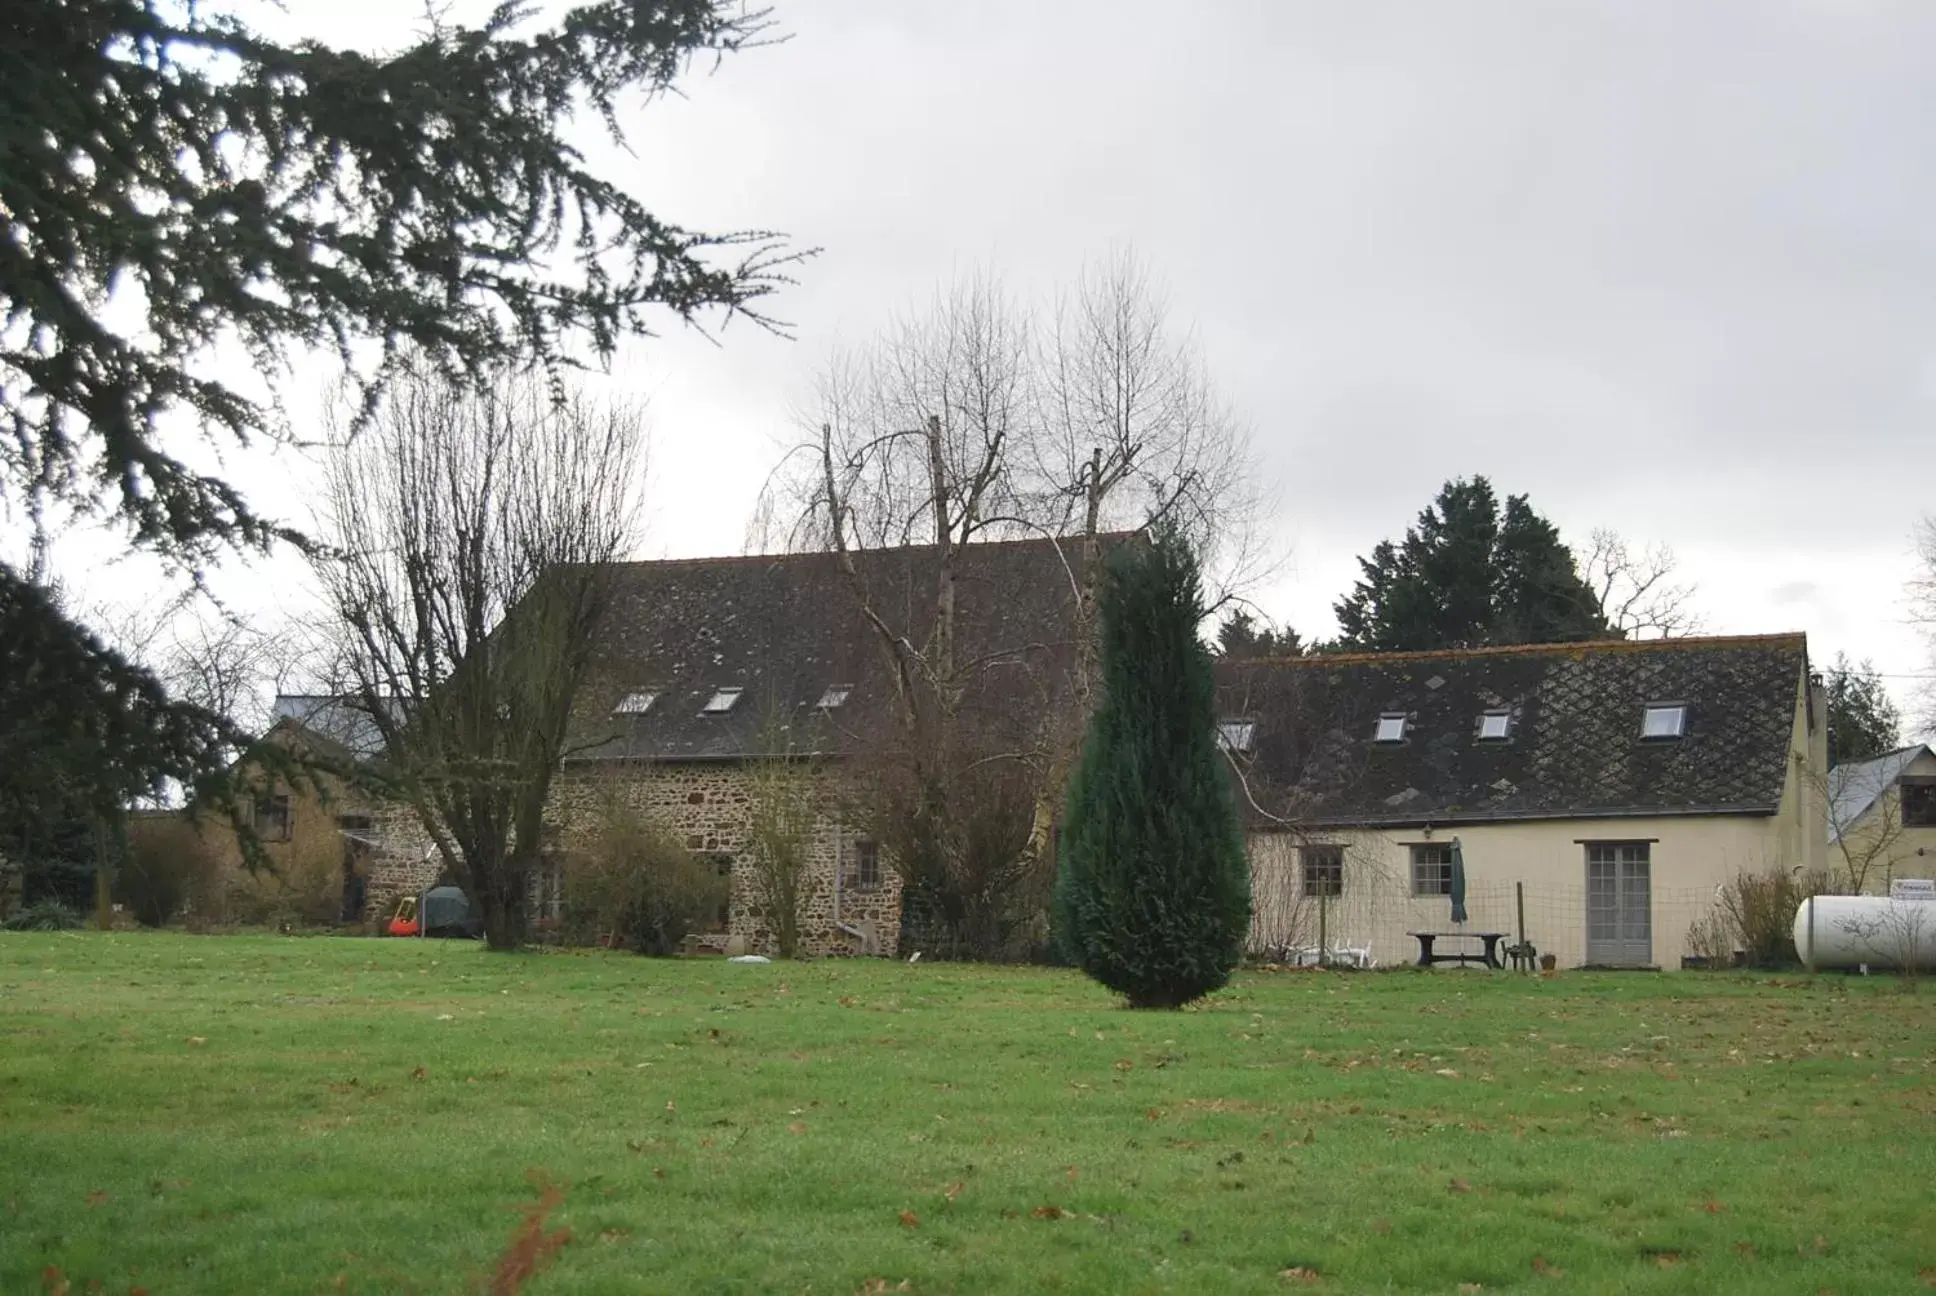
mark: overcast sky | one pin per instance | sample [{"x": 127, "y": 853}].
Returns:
[{"x": 1669, "y": 268}]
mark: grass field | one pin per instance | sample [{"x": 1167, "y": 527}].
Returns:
[{"x": 185, "y": 1114}]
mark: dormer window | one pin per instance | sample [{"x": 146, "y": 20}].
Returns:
[
  {"x": 1391, "y": 727},
  {"x": 721, "y": 701},
  {"x": 1236, "y": 735},
  {"x": 1494, "y": 725},
  {"x": 1664, "y": 720},
  {"x": 835, "y": 696},
  {"x": 636, "y": 703}
]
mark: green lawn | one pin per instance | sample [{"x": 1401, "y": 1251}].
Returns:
[{"x": 251, "y": 1114}]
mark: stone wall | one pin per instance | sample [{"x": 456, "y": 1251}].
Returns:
[{"x": 708, "y": 806}]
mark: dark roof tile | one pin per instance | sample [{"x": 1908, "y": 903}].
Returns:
[{"x": 1574, "y": 746}]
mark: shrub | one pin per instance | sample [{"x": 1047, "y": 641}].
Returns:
[
  {"x": 636, "y": 885},
  {"x": 1753, "y": 918},
  {"x": 168, "y": 865},
  {"x": 1153, "y": 896},
  {"x": 44, "y": 915}
]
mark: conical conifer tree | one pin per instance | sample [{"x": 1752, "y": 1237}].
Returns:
[{"x": 1153, "y": 893}]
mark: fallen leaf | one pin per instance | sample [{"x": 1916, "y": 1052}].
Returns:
[
  {"x": 874, "y": 1285},
  {"x": 1071, "y": 1174},
  {"x": 1472, "y": 1287},
  {"x": 1186, "y": 1237},
  {"x": 1048, "y": 1212},
  {"x": 96, "y": 1197},
  {"x": 1153, "y": 1113},
  {"x": 658, "y": 1172},
  {"x": 953, "y": 1190},
  {"x": 846, "y": 1001},
  {"x": 612, "y": 1235},
  {"x": 1459, "y": 1186},
  {"x": 910, "y": 1220},
  {"x": 1299, "y": 1274},
  {"x": 197, "y": 1039},
  {"x": 419, "y": 1074},
  {"x": 1713, "y": 1207},
  {"x": 1124, "y": 1064},
  {"x": 1382, "y": 1227},
  {"x": 1447, "y": 1072},
  {"x": 1546, "y": 1269},
  {"x": 797, "y": 1127},
  {"x": 54, "y": 1281},
  {"x": 1928, "y": 1276},
  {"x": 1665, "y": 1259},
  {"x": 1745, "y": 1250}
]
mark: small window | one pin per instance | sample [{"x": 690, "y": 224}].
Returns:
[
  {"x": 835, "y": 696},
  {"x": 1918, "y": 803},
  {"x": 1664, "y": 720},
  {"x": 863, "y": 872},
  {"x": 1494, "y": 725},
  {"x": 1323, "y": 871},
  {"x": 272, "y": 818},
  {"x": 1391, "y": 728},
  {"x": 721, "y": 701},
  {"x": 636, "y": 703},
  {"x": 1431, "y": 869},
  {"x": 1236, "y": 735}
]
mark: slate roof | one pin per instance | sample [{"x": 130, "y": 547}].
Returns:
[
  {"x": 785, "y": 627},
  {"x": 1853, "y": 786},
  {"x": 1574, "y": 747}
]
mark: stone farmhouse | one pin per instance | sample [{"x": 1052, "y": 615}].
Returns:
[
  {"x": 707, "y": 667},
  {"x": 1605, "y": 789}
]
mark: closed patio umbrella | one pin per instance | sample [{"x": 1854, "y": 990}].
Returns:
[{"x": 1458, "y": 882}]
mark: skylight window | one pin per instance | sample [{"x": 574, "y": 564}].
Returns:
[
  {"x": 721, "y": 701},
  {"x": 636, "y": 703},
  {"x": 1494, "y": 725},
  {"x": 1664, "y": 720},
  {"x": 1391, "y": 728},
  {"x": 836, "y": 695},
  {"x": 1236, "y": 735}
]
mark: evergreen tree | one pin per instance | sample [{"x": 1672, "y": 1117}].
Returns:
[
  {"x": 1244, "y": 636},
  {"x": 1467, "y": 575},
  {"x": 1153, "y": 895},
  {"x": 186, "y": 203},
  {"x": 1862, "y": 721}
]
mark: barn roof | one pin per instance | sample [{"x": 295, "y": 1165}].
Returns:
[
  {"x": 1574, "y": 744},
  {"x": 787, "y": 631}
]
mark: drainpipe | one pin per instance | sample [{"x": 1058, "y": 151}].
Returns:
[{"x": 840, "y": 867}]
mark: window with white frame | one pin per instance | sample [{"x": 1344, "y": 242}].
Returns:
[
  {"x": 1236, "y": 735},
  {"x": 1391, "y": 727},
  {"x": 721, "y": 701},
  {"x": 1431, "y": 869},
  {"x": 1664, "y": 720},
  {"x": 636, "y": 703},
  {"x": 1494, "y": 725},
  {"x": 1323, "y": 870}
]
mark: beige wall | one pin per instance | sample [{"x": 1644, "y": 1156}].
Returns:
[
  {"x": 1689, "y": 856},
  {"x": 1877, "y": 847}
]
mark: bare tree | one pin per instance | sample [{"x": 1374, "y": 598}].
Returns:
[
  {"x": 1922, "y": 605},
  {"x": 1133, "y": 429},
  {"x": 967, "y": 422},
  {"x": 472, "y": 532},
  {"x": 1636, "y": 590},
  {"x": 783, "y": 813}
]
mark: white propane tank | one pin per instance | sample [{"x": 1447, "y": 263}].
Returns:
[{"x": 1847, "y": 931}]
